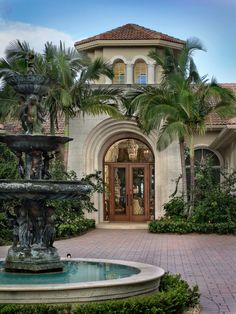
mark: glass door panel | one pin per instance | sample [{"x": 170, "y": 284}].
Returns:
[
  {"x": 119, "y": 210},
  {"x": 138, "y": 191},
  {"x": 120, "y": 191}
]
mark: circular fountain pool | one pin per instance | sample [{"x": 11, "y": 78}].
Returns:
[{"x": 83, "y": 280}]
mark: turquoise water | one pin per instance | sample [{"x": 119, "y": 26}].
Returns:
[{"x": 73, "y": 272}]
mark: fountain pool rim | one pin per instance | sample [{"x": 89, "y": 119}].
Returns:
[{"x": 145, "y": 282}]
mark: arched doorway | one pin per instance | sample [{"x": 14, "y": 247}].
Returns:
[{"x": 129, "y": 181}]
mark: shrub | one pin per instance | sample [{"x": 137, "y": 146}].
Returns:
[
  {"x": 175, "y": 207},
  {"x": 182, "y": 226},
  {"x": 174, "y": 297}
]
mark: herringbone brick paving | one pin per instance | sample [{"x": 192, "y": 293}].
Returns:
[{"x": 206, "y": 260}]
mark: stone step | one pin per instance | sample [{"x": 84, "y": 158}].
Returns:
[{"x": 123, "y": 225}]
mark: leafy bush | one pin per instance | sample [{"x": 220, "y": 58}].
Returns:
[
  {"x": 175, "y": 207},
  {"x": 77, "y": 227},
  {"x": 174, "y": 297},
  {"x": 217, "y": 203},
  {"x": 214, "y": 210},
  {"x": 8, "y": 163},
  {"x": 70, "y": 219},
  {"x": 183, "y": 226}
]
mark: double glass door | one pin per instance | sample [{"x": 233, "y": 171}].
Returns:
[{"x": 128, "y": 192}]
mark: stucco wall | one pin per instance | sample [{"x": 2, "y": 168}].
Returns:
[
  {"x": 93, "y": 135},
  {"x": 128, "y": 55}
]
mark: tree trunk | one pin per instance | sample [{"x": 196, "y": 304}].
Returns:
[
  {"x": 66, "y": 133},
  {"x": 183, "y": 169},
  {"x": 192, "y": 176}
]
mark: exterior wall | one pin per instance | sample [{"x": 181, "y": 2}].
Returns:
[
  {"x": 129, "y": 55},
  {"x": 229, "y": 155},
  {"x": 92, "y": 137},
  {"x": 207, "y": 139}
]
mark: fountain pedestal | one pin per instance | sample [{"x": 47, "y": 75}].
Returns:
[{"x": 34, "y": 259}]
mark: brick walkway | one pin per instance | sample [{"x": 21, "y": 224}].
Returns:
[{"x": 208, "y": 260}]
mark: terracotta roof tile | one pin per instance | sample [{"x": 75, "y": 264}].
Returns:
[
  {"x": 213, "y": 119},
  {"x": 130, "y": 32}
]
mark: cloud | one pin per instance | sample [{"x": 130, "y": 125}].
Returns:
[{"x": 36, "y": 36}]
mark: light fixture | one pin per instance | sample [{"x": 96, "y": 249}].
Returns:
[{"x": 132, "y": 150}]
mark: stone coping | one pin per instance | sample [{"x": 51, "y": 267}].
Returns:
[{"x": 145, "y": 282}]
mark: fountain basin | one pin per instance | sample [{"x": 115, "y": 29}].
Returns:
[
  {"x": 42, "y": 189},
  {"x": 143, "y": 279},
  {"x": 28, "y": 143},
  {"x": 29, "y": 84}
]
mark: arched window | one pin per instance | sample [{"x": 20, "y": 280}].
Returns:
[
  {"x": 140, "y": 72},
  {"x": 119, "y": 72},
  {"x": 204, "y": 156}
]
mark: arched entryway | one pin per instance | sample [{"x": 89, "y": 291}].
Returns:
[{"x": 129, "y": 181}]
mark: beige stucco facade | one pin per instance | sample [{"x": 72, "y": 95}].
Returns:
[{"x": 94, "y": 135}]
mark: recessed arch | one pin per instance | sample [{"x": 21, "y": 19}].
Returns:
[
  {"x": 118, "y": 57},
  {"x": 204, "y": 154},
  {"x": 204, "y": 146},
  {"x": 144, "y": 58},
  {"x": 129, "y": 176},
  {"x": 140, "y": 72},
  {"x": 101, "y": 138}
]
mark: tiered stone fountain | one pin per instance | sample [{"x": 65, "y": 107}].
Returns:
[
  {"x": 33, "y": 226},
  {"x": 82, "y": 280}
]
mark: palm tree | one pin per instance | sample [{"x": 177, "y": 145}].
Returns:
[
  {"x": 70, "y": 74},
  {"x": 178, "y": 108}
]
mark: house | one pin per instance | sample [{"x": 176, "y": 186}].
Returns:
[{"x": 139, "y": 179}]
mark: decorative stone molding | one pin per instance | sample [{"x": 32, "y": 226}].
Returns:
[
  {"x": 204, "y": 146},
  {"x": 118, "y": 57},
  {"x": 144, "y": 58}
]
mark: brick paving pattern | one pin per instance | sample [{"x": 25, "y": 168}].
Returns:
[{"x": 208, "y": 260}]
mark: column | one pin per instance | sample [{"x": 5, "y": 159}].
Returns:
[
  {"x": 129, "y": 73},
  {"x": 108, "y": 80},
  {"x": 151, "y": 73}
]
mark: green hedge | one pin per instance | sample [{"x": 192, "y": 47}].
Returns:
[
  {"x": 174, "y": 297},
  {"x": 184, "y": 226},
  {"x": 79, "y": 226}
]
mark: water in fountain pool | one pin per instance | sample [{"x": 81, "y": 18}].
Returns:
[{"x": 73, "y": 272}]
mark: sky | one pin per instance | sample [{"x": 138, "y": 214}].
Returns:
[{"x": 212, "y": 21}]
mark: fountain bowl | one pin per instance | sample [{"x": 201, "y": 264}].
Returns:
[
  {"x": 145, "y": 280},
  {"x": 42, "y": 189}
]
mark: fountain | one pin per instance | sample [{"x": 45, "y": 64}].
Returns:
[{"x": 45, "y": 276}]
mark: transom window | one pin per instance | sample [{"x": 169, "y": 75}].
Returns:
[
  {"x": 129, "y": 150},
  {"x": 119, "y": 72},
  {"x": 140, "y": 72}
]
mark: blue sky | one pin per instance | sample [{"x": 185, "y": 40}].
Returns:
[{"x": 212, "y": 21}]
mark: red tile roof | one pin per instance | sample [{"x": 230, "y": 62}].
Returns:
[
  {"x": 213, "y": 119},
  {"x": 130, "y": 32}
]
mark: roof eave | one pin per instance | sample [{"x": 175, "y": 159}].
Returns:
[
  {"x": 225, "y": 137},
  {"x": 121, "y": 43}
]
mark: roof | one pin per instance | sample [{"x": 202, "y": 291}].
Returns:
[
  {"x": 213, "y": 119},
  {"x": 131, "y": 32}
]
